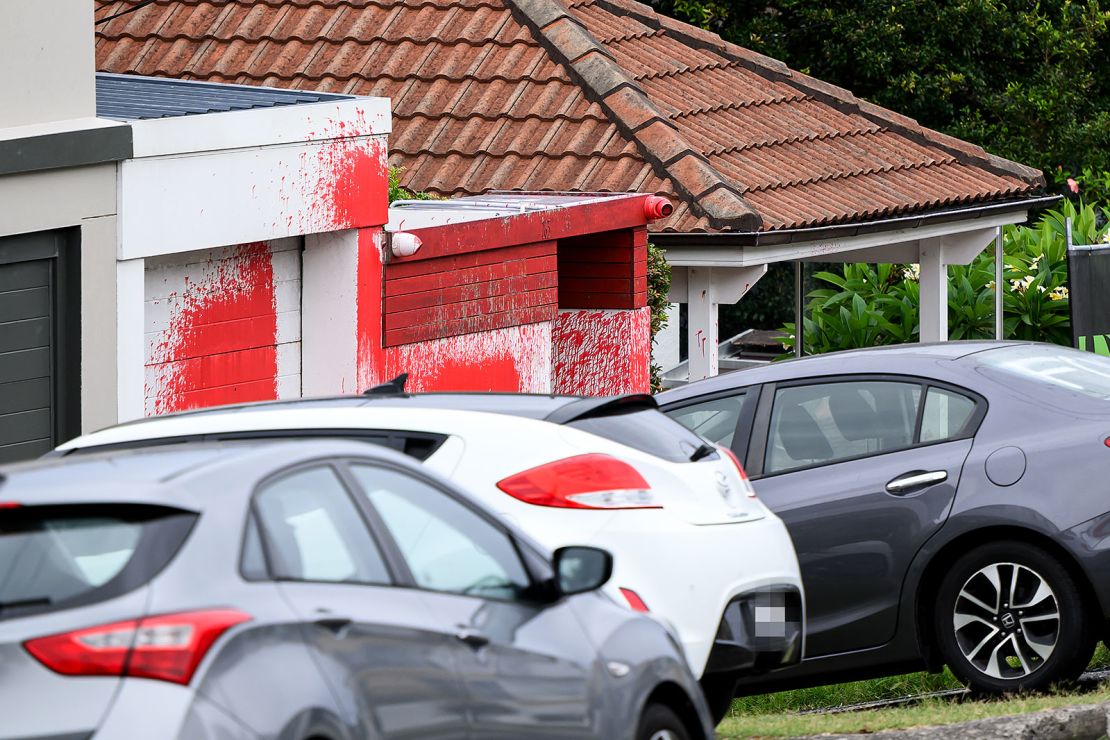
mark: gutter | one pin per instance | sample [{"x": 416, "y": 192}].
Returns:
[{"x": 734, "y": 239}]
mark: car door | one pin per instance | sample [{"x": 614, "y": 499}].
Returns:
[
  {"x": 393, "y": 672},
  {"x": 526, "y": 665},
  {"x": 862, "y": 471}
]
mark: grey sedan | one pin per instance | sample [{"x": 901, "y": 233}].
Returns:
[
  {"x": 314, "y": 590},
  {"x": 949, "y": 504}
]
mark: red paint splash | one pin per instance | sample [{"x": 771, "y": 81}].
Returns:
[
  {"x": 220, "y": 346},
  {"x": 599, "y": 353},
  {"x": 351, "y": 184}
]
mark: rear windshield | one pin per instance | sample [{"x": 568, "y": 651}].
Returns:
[
  {"x": 58, "y": 557},
  {"x": 1060, "y": 370},
  {"x": 648, "y": 431}
]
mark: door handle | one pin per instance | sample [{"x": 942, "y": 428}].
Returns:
[
  {"x": 337, "y": 625},
  {"x": 472, "y": 638},
  {"x": 917, "y": 479}
]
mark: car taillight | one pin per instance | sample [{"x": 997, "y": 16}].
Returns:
[
  {"x": 634, "y": 601},
  {"x": 1106, "y": 441},
  {"x": 10, "y": 505},
  {"x": 750, "y": 492},
  {"x": 168, "y": 647},
  {"x": 592, "y": 481}
]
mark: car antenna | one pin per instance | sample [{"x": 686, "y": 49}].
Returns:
[{"x": 393, "y": 387}]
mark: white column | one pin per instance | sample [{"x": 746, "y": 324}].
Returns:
[
  {"x": 934, "y": 292},
  {"x": 999, "y": 273},
  {"x": 329, "y": 311},
  {"x": 664, "y": 348},
  {"x": 130, "y": 339},
  {"x": 701, "y": 324}
]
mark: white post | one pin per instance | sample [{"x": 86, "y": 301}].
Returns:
[
  {"x": 701, "y": 324},
  {"x": 999, "y": 276},
  {"x": 130, "y": 339},
  {"x": 664, "y": 350},
  {"x": 934, "y": 292}
]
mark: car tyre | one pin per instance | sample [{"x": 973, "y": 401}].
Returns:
[
  {"x": 1011, "y": 618},
  {"x": 661, "y": 723}
]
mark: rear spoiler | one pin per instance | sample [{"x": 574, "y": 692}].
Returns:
[{"x": 591, "y": 408}]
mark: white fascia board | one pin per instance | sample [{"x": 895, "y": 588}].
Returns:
[
  {"x": 70, "y": 125},
  {"x": 288, "y": 124},
  {"x": 830, "y": 250}
]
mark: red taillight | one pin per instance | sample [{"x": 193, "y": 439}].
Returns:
[
  {"x": 167, "y": 647},
  {"x": 739, "y": 469},
  {"x": 591, "y": 481},
  {"x": 634, "y": 601},
  {"x": 9, "y": 505},
  {"x": 1106, "y": 441}
]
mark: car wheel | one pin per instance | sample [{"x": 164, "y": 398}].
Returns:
[
  {"x": 661, "y": 723},
  {"x": 1011, "y": 618}
]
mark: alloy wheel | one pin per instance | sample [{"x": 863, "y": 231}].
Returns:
[
  {"x": 664, "y": 735},
  {"x": 1006, "y": 620}
]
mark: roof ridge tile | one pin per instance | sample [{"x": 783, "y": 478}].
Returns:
[
  {"x": 831, "y": 94},
  {"x": 634, "y": 113}
]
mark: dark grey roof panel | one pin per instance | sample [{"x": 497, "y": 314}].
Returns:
[{"x": 132, "y": 97}]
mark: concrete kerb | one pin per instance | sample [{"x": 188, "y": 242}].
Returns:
[{"x": 1084, "y": 722}]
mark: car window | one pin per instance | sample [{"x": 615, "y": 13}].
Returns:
[
  {"x": 821, "y": 423},
  {"x": 945, "y": 416},
  {"x": 715, "y": 420},
  {"x": 314, "y": 530},
  {"x": 648, "y": 431},
  {"x": 55, "y": 557},
  {"x": 447, "y": 546}
]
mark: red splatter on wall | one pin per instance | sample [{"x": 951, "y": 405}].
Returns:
[
  {"x": 220, "y": 344},
  {"x": 599, "y": 353},
  {"x": 348, "y": 178}
]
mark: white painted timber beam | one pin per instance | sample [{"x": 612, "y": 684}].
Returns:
[
  {"x": 703, "y": 289},
  {"x": 933, "y": 306}
]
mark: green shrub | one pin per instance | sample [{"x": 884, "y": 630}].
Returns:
[
  {"x": 658, "y": 286},
  {"x": 872, "y": 305}
]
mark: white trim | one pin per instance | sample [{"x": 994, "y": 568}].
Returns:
[
  {"x": 847, "y": 249},
  {"x": 289, "y": 124},
  {"x": 130, "y": 340}
]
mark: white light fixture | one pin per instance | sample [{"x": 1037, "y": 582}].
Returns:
[{"x": 404, "y": 244}]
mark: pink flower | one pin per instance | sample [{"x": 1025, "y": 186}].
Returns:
[{"x": 1073, "y": 185}]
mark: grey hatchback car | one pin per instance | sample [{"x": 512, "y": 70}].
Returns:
[{"x": 311, "y": 590}]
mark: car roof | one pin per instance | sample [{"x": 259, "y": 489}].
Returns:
[
  {"x": 897, "y": 358},
  {"x": 158, "y": 471}
]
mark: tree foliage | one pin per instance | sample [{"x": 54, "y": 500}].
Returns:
[{"x": 1025, "y": 80}]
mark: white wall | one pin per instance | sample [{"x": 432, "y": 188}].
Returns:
[{"x": 46, "y": 61}]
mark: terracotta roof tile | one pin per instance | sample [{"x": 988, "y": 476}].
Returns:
[{"x": 596, "y": 95}]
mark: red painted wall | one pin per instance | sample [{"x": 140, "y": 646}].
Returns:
[
  {"x": 220, "y": 345},
  {"x": 597, "y": 352}
]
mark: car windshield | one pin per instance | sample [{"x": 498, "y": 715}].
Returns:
[{"x": 1061, "y": 369}]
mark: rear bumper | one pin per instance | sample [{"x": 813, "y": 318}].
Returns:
[{"x": 760, "y": 631}]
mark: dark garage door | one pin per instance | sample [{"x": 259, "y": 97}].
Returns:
[{"x": 31, "y": 417}]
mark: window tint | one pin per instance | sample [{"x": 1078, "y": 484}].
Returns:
[
  {"x": 816, "y": 424},
  {"x": 315, "y": 532},
  {"x": 648, "y": 431},
  {"x": 946, "y": 413},
  {"x": 715, "y": 420},
  {"x": 54, "y": 557},
  {"x": 447, "y": 546}
]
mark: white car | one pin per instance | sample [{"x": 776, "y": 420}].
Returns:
[{"x": 691, "y": 542}]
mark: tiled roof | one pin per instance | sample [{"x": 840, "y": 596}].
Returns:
[{"x": 594, "y": 95}]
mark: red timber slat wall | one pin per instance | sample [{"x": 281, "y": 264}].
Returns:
[
  {"x": 476, "y": 291},
  {"x": 604, "y": 270}
]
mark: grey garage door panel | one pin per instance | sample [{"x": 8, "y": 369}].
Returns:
[
  {"x": 25, "y": 450},
  {"x": 23, "y": 275},
  {"x": 25, "y": 395},
  {"x": 26, "y": 334},
  {"x": 25, "y": 365},
  {"x": 25, "y": 426},
  {"x": 25, "y": 304}
]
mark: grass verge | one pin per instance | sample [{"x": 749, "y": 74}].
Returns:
[{"x": 776, "y": 715}]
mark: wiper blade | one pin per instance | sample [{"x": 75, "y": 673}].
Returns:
[
  {"x": 702, "y": 451},
  {"x": 25, "y": 603}
]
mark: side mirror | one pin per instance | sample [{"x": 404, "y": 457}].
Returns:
[{"x": 579, "y": 569}]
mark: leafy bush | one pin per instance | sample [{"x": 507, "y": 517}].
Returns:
[
  {"x": 872, "y": 305},
  {"x": 658, "y": 286}
]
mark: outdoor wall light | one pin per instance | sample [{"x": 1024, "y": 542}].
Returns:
[{"x": 403, "y": 244}]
